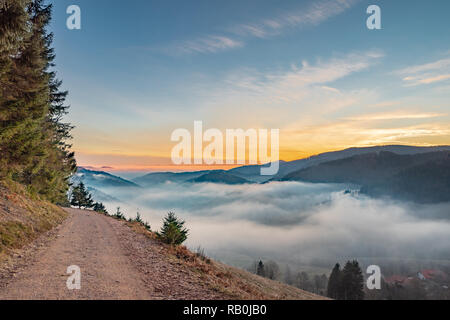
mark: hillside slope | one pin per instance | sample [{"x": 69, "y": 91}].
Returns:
[
  {"x": 428, "y": 183},
  {"x": 423, "y": 177},
  {"x": 295, "y": 165},
  {"x": 122, "y": 260},
  {"x": 23, "y": 219},
  {"x": 101, "y": 179}
]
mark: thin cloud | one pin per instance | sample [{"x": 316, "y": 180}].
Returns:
[
  {"x": 383, "y": 136},
  {"x": 436, "y": 65},
  {"x": 339, "y": 135},
  {"x": 209, "y": 44},
  {"x": 428, "y": 73},
  {"x": 316, "y": 13},
  {"x": 395, "y": 116},
  {"x": 294, "y": 84},
  {"x": 304, "y": 92},
  {"x": 431, "y": 79}
]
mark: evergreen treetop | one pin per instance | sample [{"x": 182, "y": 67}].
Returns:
[
  {"x": 346, "y": 284},
  {"x": 173, "y": 231},
  {"x": 81, "y": 198},
  {"x": 352, "y": 281},
  {"x": 334, "y": 283},
  {"x": 260, "y": 271}
]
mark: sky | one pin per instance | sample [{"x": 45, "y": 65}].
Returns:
[{"x": 138, "y": 70}]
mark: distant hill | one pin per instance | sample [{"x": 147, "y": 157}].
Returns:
[
  {"x": 291, "y": 166},
  {"x": 218, "y": 176},
  {"x": 252, "y": 173},
  {"x": 422, "y": 177},
  {"x": 101, "y": 179},
  {"x": 100, "y": 196},
  {"x": 154, "y": 178},
  {"x": 428, "y": 182}
]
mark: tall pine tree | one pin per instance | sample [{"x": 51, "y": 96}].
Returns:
[
  {"x": 352, "y": 281},
  {"x": 33, "y": 138},
  {"x": 81, "y": 198},
  {"x": 346, "y": 284},
  {"x": 260, "y": 271},
  {"x": 334, "y": 283}
]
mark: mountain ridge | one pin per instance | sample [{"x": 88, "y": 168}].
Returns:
[
  {"x": 94, "y": 178},
  {"x": 251, "y": 173},
  {"x": 385, "y": 173}
]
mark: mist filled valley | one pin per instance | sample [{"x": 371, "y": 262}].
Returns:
[
  {"x": 303, "y": 225},
  {"x": 384, "y": 206}
]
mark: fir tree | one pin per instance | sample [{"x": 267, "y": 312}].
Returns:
[
  {"x": 99, "y": 207},
  {"x": 119, "y": 214},
  {"x": 260, "y": 271},
  {"x": 81, "y": 198},
  {"x": 173, "y": 231},
  {"x": 138, "y": 218},
  {"x": 352, "y": 281},
  {"x": 334, "y": 283}
]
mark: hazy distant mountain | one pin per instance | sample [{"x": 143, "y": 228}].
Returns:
[
  {"x": 428, "y": 183},
  {"x": 100, "y": 196},
  {"x": 100, "y": 179},
  {"x": 291, "y": 166},
  {"x": 219, "y": 176},
  {"x": 252, "y": 173},
  {"x": 422, "y": 177},
  {"x": 154, "y": 178}
]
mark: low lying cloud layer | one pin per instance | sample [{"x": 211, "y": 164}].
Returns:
[{"x": 296, "y": 222}]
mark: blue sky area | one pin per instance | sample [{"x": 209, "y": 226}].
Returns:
[{"x": 137, "y": 70}]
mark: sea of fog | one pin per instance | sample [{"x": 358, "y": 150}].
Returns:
[{"x": 294, "y": 223}]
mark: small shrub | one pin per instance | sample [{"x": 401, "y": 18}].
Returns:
[
  {"x": 100, "y": 208},
  {"x": 138, "y": 218},
  {"x": 147, "y": 226},
  {"x": 173, "y": 231},
  {"x": 119, "y": 215},
  {"x": 200, "y": 253}
]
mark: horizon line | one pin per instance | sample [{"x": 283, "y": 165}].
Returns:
[{"x": 203, "y": 167}]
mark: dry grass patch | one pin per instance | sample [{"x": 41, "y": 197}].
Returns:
[
  {"x": 22, "y": 218},
  {"x": 237, "y": 283}
]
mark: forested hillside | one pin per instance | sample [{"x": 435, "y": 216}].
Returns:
[
  {"x": 420, "y": 177},
  {"x": 34, "y": 139}
]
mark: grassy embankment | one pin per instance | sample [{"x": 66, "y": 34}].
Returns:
[{"x": 23, "y": 217}]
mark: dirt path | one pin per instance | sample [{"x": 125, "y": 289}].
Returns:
[{"x": 115, "y": 263}]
